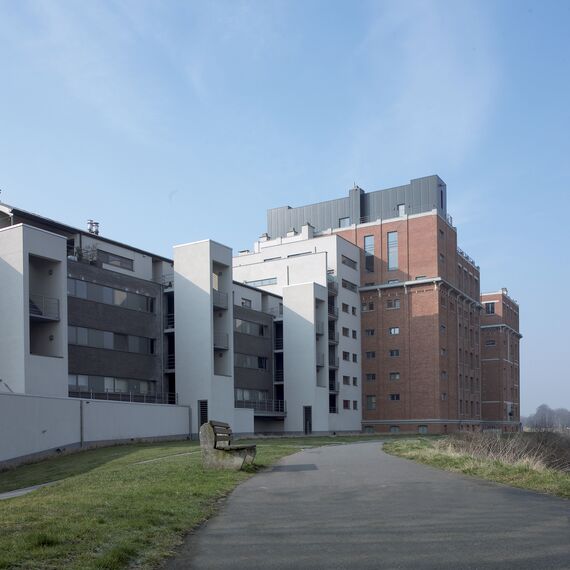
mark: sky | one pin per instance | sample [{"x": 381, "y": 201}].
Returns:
[{"x": 170, "y": 122}]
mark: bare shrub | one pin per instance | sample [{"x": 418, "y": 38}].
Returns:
[{"x": 533, "y": 450}]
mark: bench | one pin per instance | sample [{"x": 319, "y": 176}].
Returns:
[{"x": 218, "y": 450}]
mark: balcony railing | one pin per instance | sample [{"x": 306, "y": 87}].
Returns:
[
  {"x": 333, "y": 385},
  {"x": 333, "y": 337},
  {"x": 332, "y": 284},
  {"x": 162, "y": 398},
  {"x": 333, "y": 312},
  {"x": 220, "y": 299},
  {"x": 320, "y": 360},
  {"x": 278, "y": 344},
  {"x": 44, "y": 307},
  {"x": 333, "y": 362},
  {"x": 279, "y": 376},
  {"x": 221, "y": 341},
  {"x": 333, "y": 410},
  {"x": 264, "y": 407},
  {"x": 169, "y": 321},
  {"x": 170, "y": 361}
]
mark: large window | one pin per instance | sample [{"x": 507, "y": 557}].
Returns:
[
  {"x": 370, "y": 402},
  {"x": 393, "y": 304},
  {"x": 369, "y": 253},
  {"x": 250, "y": 361},
  {"x": 109, "y": 295},
  {"x": 349, "y": 285},
  {"x": 249, "y": 327},
  {"x": 102, "y": 384},
  {"x": 348, "y": 262},
  {"x": 262, "y": 282},
  {"x": 94, "y": 338},
  {"x": 392, "y": 251},
  {"x": 490, "y": 308},
  {"x": 115, "y": 260},
  {"x": 249, "y": 395}
]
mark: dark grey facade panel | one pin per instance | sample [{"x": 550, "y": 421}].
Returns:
[{"x": 420, "y": 195}]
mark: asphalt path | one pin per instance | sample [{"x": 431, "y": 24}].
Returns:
[{"x": 354, "y": 506}]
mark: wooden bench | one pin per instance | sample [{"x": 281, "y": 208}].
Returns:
[{"x": 218, "y": 450}]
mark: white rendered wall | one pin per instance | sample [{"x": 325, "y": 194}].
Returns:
[{"x": 36, "y": 424}]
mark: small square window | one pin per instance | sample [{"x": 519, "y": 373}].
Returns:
[
  {"x": 346, "y": 356},
  {"x": 394, "y": 330},
  {"x": 394, "y": 376},
  {"x": 369, "y": 332},
  {"x": 394, "y": 352},
  {"x": 353, "y": 334},
  {"x": 354, "y": 381},
  {"x": 346, "y": 404},
  {"x": 370, "y": 354},
  {"x": 370, "y": 377},
  {"x": 344, "y": 308},
  {"x": 346, "y": 380},
  {"x": 394, "y": 397}
]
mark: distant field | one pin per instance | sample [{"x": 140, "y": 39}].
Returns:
[
  {"x": 119, "y": 506},
  {"x": 538, "y": 462}
]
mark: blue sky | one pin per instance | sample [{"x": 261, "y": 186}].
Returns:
[{"x": 174, "y": 121}]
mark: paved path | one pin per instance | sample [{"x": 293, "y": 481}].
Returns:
[
  {"x": 24, "y": 491},
  {"x": 353, "y": 506}
]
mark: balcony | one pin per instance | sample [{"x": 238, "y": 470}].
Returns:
[
  {"x": 333, "y": 312},
  {"x": 165, "y": 398},
  {"x": 333, "y": 337},
  {"x": 332, "y": 285},
  {"x": 278, "y": 344},
  {"x": 221, "y": 341},
  {"x": 220, "y": 299},
  {"x": 279, "y": 376},
  {"x": 169, "y": 321},
  {"x": 170, "y": 362},
  {"x": 167, "y": 280},
  {"x": 333, "y": 362},
  {"x": 333, "y": 410},
  {"x": 44, "y": 308},
  {"x": 333, "y": 386},
  {"x": 275, "y": 408}
]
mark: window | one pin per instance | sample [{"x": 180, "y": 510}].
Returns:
[
  {"x": 344, "y": 308},
  {"x": 249, "y": 327},
  {"x": 348, "y": 262},
  {"x": 346, "y": 404},
  {"x": 394, "y": 352},
  {"x": 349, "y": 285},
  {"x": 394, "y": 429},
  {"x": 444, "y": 396},
  {"x": 392, "y": 251},
  {"x": 443, "y": 351},
  {"x": 354, "y": 381},
  {"x": 353, "y": 311},
  {"x": 401, "y": 210},
  {"x": 443, "y": 375},
  {"x": 394, "y": 397},
  {"x": 394, "y": 376},
  {"x": 367, "y": 306},
  {"x": 353, "y": 334},
  {"x": 262, "y": 282},
  {"x": 94, "y": 338},
  {"x": 346, "y": 380},
  {"x": 250, "y": 361},
  {"x": 370, "y": 377},
  {"x": 369, "y": 253},
  {"x": 369, "y": 332},
  {"x": 490, "y": 343},
  {"x": 355, "y": 358},
  {"x": 354, "y": 404},
  {"x": 370, "y": 354},
  {"x": 370, "y": 402},
  {"x": 115, "y": 260},
  {"x": 345, "y": 331},
  {"x": 393, "y": 281},
  {"x": 344, "y": 222},
  {"x": 442, "y": 258},
  {"x": 393, "y": 304},
  {"x": 246, "y": 303},
  {"x": 394, "y": 330},
  {"x": 490, "y": 308},
  {"x": 418, "y": 277},
  {"x": 346, "y": 355},
  {"x": 422, "y": 429},
  {"x": 442, "y": 328}
]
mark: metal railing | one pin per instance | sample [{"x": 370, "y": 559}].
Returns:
[
  {"x": 263, "y": 406},
  {"x": 170, "y": 361},
  {"x": 333, "y": 410},
  {"x": 279, "y": 375},
  {"x": 333, "y": 312},
  {"x": 220, "y": 299},
  {"x": 363, "y": 220},
  {"x": 162, "y": 398},
  {"x": 467, "y": 257},
  {"x": 221, "y": 340},
  {"x": 333, "y": 362},
  {"x": 278, "y": 344},
  {"x": 277, "y": 312},
  {"x": 333, "y": 385},
  {"x": 333, "y": 337},
  {"x": 45, "y": 307},
  {"x": 167, "y": 280},
  {"x": 169, "y": 321}
]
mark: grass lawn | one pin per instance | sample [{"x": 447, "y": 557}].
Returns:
[
  {"x": 431, "y": 452},
  {"x": 110, "y": 510}
]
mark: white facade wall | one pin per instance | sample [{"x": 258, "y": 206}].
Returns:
[{"x": 38, "y": 424}]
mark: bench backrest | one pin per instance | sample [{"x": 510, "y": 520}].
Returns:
[{"x": 222, "y": 434}]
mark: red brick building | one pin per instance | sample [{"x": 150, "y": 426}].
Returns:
[{"x": 500, "y": 339}]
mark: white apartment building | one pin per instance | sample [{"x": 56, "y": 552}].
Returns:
[{"x": 318, "y": 279}]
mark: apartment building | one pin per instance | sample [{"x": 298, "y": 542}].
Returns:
[
  {"x": 500, "y": 340},
  {"x": 420, "y": 304}
]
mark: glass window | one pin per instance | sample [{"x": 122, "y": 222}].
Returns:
[
  {"x": 370, "y": 354},
  {"x": 401, "y": 209},
  {"x": 370, "y": 332},
  {"x": 246, "y": 303},
  {"x": 115, "y": 260},
  {"x": 369, "y": 253},
  {"x": 348, "y": 262},
  {"x": 349, "y": 285},
  {"x": 394, "y": 397},
  {"x": 120, "y": 298},
  {"x": 80, "y": 289},
  {"x": 370, "y": 377},
  {"x": 392, "y": 251},
  {"x": 370, "y": 402},
  {"x": 490, "y": 308},
  {"x": 82, "y": 337},
  {"x": 346, "y": 380},
  {"x": 72, "y": 335},
  {"x": 346, "y": 404},
  {"x": 355, "y": 358},
  {"x": 394, "y": 352},
  {"x": 71, "y": 287},
  {"x": 394, "y": 376},
  {"x": 354, "y": 334},
  {"x": 393, "y": 304},
  {"x": 354, "y": 404},
  {"x": 394, "y": 330},
  {"x": 120, "y": 342}
]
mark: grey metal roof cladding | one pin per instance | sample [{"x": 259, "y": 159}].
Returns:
[{"x": 420, "y": 195}]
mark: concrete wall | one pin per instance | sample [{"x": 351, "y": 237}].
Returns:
[{"x": 36, "y": 424}]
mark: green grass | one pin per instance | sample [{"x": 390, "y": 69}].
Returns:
[
  {"x": 108, "y": 510},
  {"x": 434, "y": 452}
]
